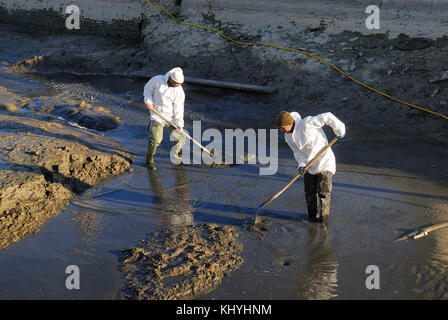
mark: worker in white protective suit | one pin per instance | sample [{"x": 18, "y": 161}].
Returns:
[
  {"x": 165, "y": 94},
  {"x": 306, "y": 138}
]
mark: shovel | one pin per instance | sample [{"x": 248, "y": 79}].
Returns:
[
  {"x": 297, "y": 176},
  {"x": 183, "y": 132}
]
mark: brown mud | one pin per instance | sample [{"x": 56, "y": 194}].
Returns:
[
  {"x": 51, "y": 160},
  {"x": 71, "y": 109},
  {"x": 9, "y": 101},
  {"x": 41, "y": 174},
  {"x": 387, "y": 164},
  {"x": 82, "y": 113},
  {"x": 185, "y": 262},
  {"x": 54, "y": 157}
]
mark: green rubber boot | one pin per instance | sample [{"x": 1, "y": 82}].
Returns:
[
  {"x": 150, "y": 159},
  {"x": 150, "y": 165}
]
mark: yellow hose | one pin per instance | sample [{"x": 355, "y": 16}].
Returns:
[{"x": 302, "y": 52}]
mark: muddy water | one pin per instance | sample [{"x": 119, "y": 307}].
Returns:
[{"x": 290, "y": 259}]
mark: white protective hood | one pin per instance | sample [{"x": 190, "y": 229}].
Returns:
[{"x": 169, "y": 101}]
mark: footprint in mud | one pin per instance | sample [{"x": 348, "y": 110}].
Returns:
[{"x": 184, "y": 262}]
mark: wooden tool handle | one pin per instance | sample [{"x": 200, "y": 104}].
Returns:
[{"x": 183, "y": 132}]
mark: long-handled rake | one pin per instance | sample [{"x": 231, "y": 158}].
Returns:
[
  {"x": 183, "y": 132},
  {"x": 297, "y": 176},
  {"x": 211, "y": 153}
]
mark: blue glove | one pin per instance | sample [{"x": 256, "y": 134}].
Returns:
[{"x": 341, "y": 137}]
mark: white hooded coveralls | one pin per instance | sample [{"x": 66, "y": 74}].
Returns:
[
  {"x": 308, "y": 138},
  {"x": 169, "y": 101}
]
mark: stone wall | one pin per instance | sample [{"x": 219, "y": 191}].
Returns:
[{"x": 117, "y": 18}]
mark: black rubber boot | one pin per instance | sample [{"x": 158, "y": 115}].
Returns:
[{"x": 310, "y": 182}]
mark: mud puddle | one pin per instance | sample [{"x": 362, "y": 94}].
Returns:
[{"x": 289, "y": 258}]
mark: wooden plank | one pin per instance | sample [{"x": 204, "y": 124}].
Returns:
[
  {"x": 222, "y": 84},
  {"x": 230, "y": 85}
]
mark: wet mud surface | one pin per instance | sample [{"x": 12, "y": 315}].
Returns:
[
  {"x": 181, "y": 263},
  {"x": 391, "y": 177},
  {"x": 48, "y": 155},
  {"x": 40, "y": 175},
  {"x": 285, "y": 256}
]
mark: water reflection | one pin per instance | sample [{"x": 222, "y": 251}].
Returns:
[
  {"x": 439, "y": 263},
  {"x": 430, "y": 275},
  {"x": 318, "y": 280},
  {"x": 174, "y": 203},
  {"x": 89, "y": 224}
]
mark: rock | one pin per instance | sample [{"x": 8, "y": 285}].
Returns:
[
  {"x": 443, "y": 76},
  {"x": 434, "y": 93},
  {"x": 346, "y": 65},
  {"x": 352, "y": 67}
]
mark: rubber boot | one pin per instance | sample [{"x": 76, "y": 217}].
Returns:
[
  {"x": 324, "y": 193},
  {"x": 150, "y": 159},
  {"x": 310, "y": 182},
  {"x": 311, "y": 205},
  {"x": 324, "y": 208},
  {"x": 155, "y": 136}
]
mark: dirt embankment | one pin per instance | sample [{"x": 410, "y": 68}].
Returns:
[
  {"x": 185, "y": 262},
  {"x": 304, "y": 84},
  {"x": 45, "y": 160},
  {"x": 40, "y": 174}
]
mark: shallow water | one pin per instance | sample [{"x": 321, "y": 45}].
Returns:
[{"x": 291, "y": 259}]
